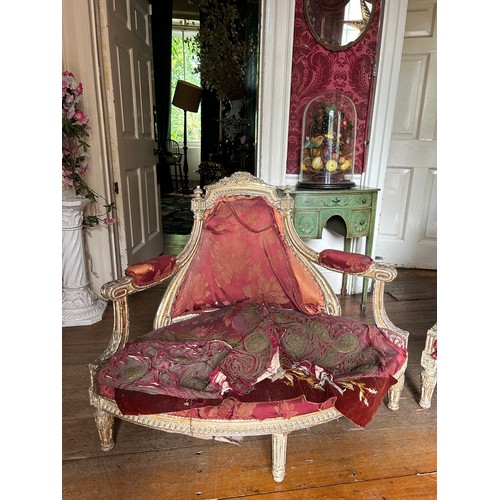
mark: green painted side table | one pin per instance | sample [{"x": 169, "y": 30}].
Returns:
[{"x": 356, "y": 207}]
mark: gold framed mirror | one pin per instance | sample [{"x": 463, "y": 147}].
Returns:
[{"x": 338, "y": 24}]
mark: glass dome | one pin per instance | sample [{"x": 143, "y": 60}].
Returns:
[{"x": 328, "y": 142}]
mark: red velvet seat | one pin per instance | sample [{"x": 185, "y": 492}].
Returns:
[{"x": 249, "y": 337}]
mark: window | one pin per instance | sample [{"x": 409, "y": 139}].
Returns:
[{"x": 184, "y": 63}]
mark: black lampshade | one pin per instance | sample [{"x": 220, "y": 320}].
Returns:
[{"x": 187, "y": 96}]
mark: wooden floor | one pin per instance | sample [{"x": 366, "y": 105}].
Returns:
[{"x": 393, "y": 458}]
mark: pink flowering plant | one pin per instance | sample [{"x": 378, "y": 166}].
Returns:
[{"x": 75, "y": 127}]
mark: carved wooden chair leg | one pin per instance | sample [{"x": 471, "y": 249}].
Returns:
[
  {"x": 279, "y": 456},
  {"x": 395, "y": 393},
  {"x": 104, "y": 422},
  {"x": 429, "y": 379},
  {"x": 429, "y": 364}
]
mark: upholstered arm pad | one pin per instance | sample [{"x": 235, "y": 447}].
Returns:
[
  {"x": 151, "y": 271},
  {"x": 365, "y": 267},
  {"x": 137, "y": 277},
  {"x": 345, "y": 262},
  {"x": 140, "y": 276}
]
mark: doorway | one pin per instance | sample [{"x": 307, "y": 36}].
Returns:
[{"x": 173, "y": 24}]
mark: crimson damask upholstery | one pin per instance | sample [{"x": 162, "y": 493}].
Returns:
[
  {"x": 248, "y": 338},
  {"x": 316, "y": 69},
  {"x": 242, "y": 257},
  {"x": 225, "y": 364},
  {"x": 344, "y": 261},
  {"x": 258, "y": 319},
  {"x": 152, "y": 270}
]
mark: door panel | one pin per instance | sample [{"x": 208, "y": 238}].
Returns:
[
  {"x": 134, "y": 190},
  {"x": 130, "y": 97},
  {"x": 430, "y": 203},
  {"x": 153, "y": 217},
  {"x": 408, "y": 224},
  {"x": 145, "y": 92},
  {"x": 142, "y": 22},
  {"x": 411, "y": 81},
  {"x": 409, "y": 233},
  {"x": 396, "y": 188}
]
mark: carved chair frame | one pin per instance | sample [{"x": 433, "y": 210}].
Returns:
[{"x": 119, "y": 290}]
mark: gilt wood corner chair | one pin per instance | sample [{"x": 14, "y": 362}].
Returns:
[{"x": 248, "y": 338}]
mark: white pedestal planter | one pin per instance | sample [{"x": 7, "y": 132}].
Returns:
[{"x": 80, "y": 305}]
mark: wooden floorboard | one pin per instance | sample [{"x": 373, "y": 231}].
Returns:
[
  {"x": 221, "y": 470},
  {"x": 394, "y": 457}
]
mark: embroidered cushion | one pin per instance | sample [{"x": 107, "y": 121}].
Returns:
[
  {"x": 181, "y": 359},
  {"x": 256, "y": 361},
  {"x": 339, "y": 346}
]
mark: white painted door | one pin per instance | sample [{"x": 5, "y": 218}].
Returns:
[
  {"x": 408, "y": 224},
  {"x": 127, "y": 51}
]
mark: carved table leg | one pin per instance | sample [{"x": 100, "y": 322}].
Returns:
[
  {"x": 429, "y": 379},
  {"x": 395, "y": 393},
  {"x": 279, "y": 456},
  {"x": 104, "y": 422}
]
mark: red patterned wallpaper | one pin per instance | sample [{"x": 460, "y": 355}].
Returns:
[{"x": 315, "y": 68}]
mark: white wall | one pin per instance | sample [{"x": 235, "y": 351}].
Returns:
[{"x": 194, "y": 159}]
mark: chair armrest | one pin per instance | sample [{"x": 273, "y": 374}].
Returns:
[
  {"x": 382, "y": 274},
  {"x": 355, "y": 263},
  {"x": 138, "y": 277},
  {"x": 152, "y": 271},
  {"x": 346, "y": 262},
  {"x": 363, "y": 266}
]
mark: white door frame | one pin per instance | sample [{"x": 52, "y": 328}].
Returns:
[
  {"x": 273, "y": 100},
  {"x": 384, "y": 100}
]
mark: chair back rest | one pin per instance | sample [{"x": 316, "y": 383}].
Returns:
[
  {"x": 244, "y": 248},
  {"x": 172, "y": 146}
]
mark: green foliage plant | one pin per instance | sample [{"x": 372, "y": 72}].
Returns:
[{"x": 222, "y": 48}]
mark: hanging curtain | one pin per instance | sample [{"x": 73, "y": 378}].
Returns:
[{"x": 161, "y": 27}]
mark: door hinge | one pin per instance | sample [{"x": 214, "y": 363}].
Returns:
[{"x": 117, "y": 190}]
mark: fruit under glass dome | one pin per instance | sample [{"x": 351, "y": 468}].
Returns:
[{"x": 328, "y": 142}]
